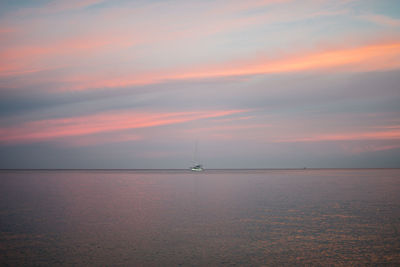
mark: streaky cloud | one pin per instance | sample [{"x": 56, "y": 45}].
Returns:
[
  {"x": 43, "y": 130},
  {"x": 377, "y": 135},
  {"x": 384, "y": 56}
]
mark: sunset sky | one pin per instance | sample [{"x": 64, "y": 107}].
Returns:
[{"x": 257, "y": 84}]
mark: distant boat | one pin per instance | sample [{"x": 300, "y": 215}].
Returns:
[{"x": 197, "y": 167}]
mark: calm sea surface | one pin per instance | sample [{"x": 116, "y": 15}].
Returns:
[{"x": 170, "y": 218}]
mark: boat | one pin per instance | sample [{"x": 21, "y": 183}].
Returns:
[{"x": 197, "y": 168}]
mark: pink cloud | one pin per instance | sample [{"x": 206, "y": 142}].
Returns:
[
  {"x": 6, "y": 30},
  {"x": 377, "y": 135},
  {"x": 20, "y": 58},
  {"x": 359, "y": 149},
  {"x": 100, "y": 123}
]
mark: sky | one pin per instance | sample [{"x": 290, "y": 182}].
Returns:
[{"x": 255, "y": 84}]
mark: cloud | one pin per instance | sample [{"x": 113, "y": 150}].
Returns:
[
  {"x": 375, "y": 57},
  {"x": 109, "y": 47},
  {"x": 381, "y": 20},
  {"x": 56, "y": 6},
  {"x": 43, "y": 130},
  {"x": 376, "y": 135},
  {"x": 367, "y": 148},
  {"x": 21, "y": 59}
]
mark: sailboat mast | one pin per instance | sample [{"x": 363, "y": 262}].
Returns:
[
  {"x": 197, "y": 167},
  {"x": 195, "y": 152}
]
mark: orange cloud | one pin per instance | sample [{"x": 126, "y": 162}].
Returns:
[
  {"x": 353, "y": 58},
  {"x": 68, "y": 46},
  {"x": 99, "y": 123},
  {"x": 364, "y": 58}
]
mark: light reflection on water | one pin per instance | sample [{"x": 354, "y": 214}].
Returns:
[{"x": 243, "y": 217}]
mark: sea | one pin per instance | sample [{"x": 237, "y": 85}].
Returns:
[{"x": 310, "y": 217}]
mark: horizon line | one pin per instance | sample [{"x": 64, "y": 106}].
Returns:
[{"x": 180, "y": 169}]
